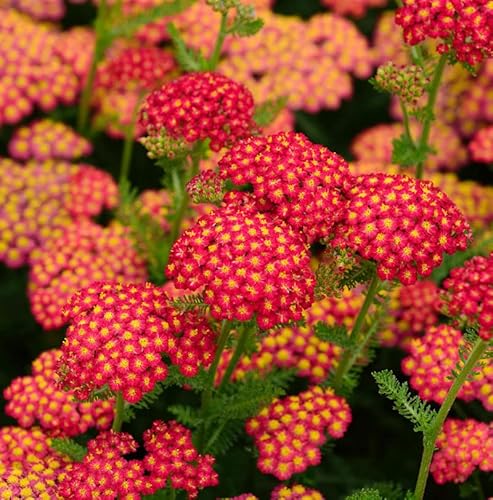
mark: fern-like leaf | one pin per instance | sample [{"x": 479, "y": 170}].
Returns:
[
  {"x": 365, "y": 494},
  {"x": 190, "y": 302},
  {"x": 69, "y": 447},
  {"x": 188, "y": 59},
  {"x": 410, "y": 406},
  {"x": 130, "y": 25},
  {"x": 336, "y": 334},
  {"x": 186, "y": 415},
  {"x": 148, "y": 400},
  {"x": 224, "y": 436},
  {"x": 360, "y": 274}
]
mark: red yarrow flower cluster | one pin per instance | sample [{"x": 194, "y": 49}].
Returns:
[
  {"x": 481, "y": 146},
  {"x": 37, "y": 398},
  {"x": 463, "y": 26},
  {"x": 301, "y": 182},
  {"x": 104, "y": 472},
  {"x": 401, "y": 223},
  {"x": 135, "y": 68},
  {"x": 90, "y": 191},
  {"x": 199, "y": 106},
  {"x": 468, "y": 295},
  {"x": 247, "y": 263},
  {"x": 411, "y": 310},
  {"x": 463, "y": 446},
  {"x": 85, "y": 253},
  {"x": 172, "y": 457},
  {"x": 118, "y": 334},
  {"x": 290, "y": 431},
  {"x": 45, "y": 139},
  {"x": 430, "y": 363}
]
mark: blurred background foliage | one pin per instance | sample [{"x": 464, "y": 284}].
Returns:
[{"x": 379, "y": 446}]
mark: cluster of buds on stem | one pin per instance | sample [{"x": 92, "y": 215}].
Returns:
[{"x": 407, "y": 82}]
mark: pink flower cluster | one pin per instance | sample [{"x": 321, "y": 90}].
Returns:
[
  {"x": 356, "y": 8},
  {"x": 290, "y": 431},
  {"x": 412, "y": 310},
  {"x": 135, "y": 68},
  {"x": 401, "y": 223},
  {"x": 46, "y": 10},
  {"x": 106, "y": 472},
  {"x": 481, "y": 146},
  {"x": 199, "y": 106},
  {"x": 47, "y": 139},
  {"x": 431, "y": 361},
  {"x": 32, "y": 206},
  {"x": 90, "y": 191},
  {"x": 86, "y": 252},
  {"x": 249, "y": 264},
  {"x": 20, "y": 484},
  {"x": 301, "y": 182},
  {"x": 468, "y": 294},
  {"x": 37, "y": 398},
  {"x": 295, "y": 492},
  {"x": 463, "y": 446},
  {"x": 117, "y": 336},
  {"x": 40, "y": 65},
  {"x": 462, "y": 26}
]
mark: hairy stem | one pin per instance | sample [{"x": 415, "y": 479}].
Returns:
[
  {"x": 348, "y": 358},
  {"x": 430, "y": 106},
  {"x": 430, "y": 437},
  {"x": 119, "y": 408},
  {"x": 207, "y": 394}
]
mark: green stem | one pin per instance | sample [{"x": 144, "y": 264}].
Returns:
[
  {"x": 216, "y": 53},
  {"x": 119, "y": 408},
  {"x": 405, "y": 120},
  {"x": 431, "y": 435},
  {"x": 348, "y": 359},
  {"x": 182, "y": 204},
  {"x": 430, "y": 105},
  {"x": 207, "y": 394},
  {"x": 240, "y": 347},
  {"x": 85, "y": 100},
  {"x": 129, "y": 144}
]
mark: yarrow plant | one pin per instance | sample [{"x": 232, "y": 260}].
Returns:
[{"x": 210, "y": 323}]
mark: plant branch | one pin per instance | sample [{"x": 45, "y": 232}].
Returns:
[{"x": 119, "y": 412}]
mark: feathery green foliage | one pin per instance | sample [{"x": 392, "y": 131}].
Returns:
[
  {"x": 366, "y": 494},
  {"x": 188, "y": 58},
  {"x": 266, "y": 112},
  {"x": 190, "y": 302},
  {"x": 335, "y": 334},
  {"x": 186, "y": 415},
  {"x": 410, "y": 406},
  {"x": 406, "y": 153},
  {"x": 69, "y": 447},
  {"x": 148, "y": 400}
]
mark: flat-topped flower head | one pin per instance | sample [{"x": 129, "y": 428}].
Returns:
[
  {"x": 105, "y": 472},
  {"x": 172, "y": 457},
  {"x": 85, "y": 253},
  {"x": 462, "y": 26},
  {"x": 90, "y": 191},
  {"x": 118, "y": 334},
  {"x": 295, "y": 492},
  {"x": 290, "y": 431},
  {"x": 135, "y": 68},
  {"x": 430, "y": 363},
  {"x": 463, "y": 446},
  {"x": 18, "y": 484},
  {"x": 248, "y": 264},
  {"x": 468, "y": 295},
  {"x": 45, "y": 139},
  {"x": 402, "y": 224},
  {"x": 301, "y": 182},
  {"x": 199, "y": 106},
  {"x": 37, "y": 398}
]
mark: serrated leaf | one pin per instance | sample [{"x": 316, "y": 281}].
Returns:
[
  {"x": 223, "y": 437},
  {"x": 365, "y": 494},
  {"x": 406, "y": 153},
  {"x": 410, "y": 406},
  {"x": 69, "y": 447},
  {"x": 188, "y": 59},
  {"x": 148, "y": 400},
  {"x": 266, "y": 112},
  {"x": 190, "y": 303}
]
